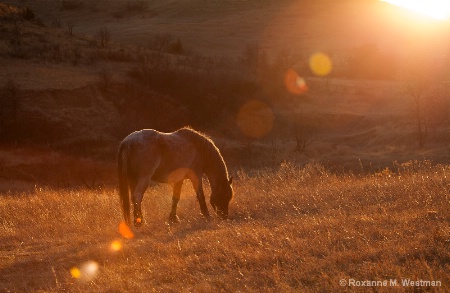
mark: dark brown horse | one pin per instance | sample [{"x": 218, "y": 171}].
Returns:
[{"x": 149, "y": 155}]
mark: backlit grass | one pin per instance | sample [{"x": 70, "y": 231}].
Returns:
[{"x": 291, "y": 229}]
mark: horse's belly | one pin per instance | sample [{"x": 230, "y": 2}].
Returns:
[
  {"x": 177, "y": 158},
  {"x": 172, "y": 176}
]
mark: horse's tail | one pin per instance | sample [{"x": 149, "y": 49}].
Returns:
[{"x": 123, "y": 181}]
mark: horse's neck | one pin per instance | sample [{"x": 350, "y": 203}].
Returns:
[
  {"x": 213, "y": 179},
  {"x": 213, "y": 165},
  {"x": 215, "y": 174}
]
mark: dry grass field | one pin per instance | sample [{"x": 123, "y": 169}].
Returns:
[
  {"x": 291, "y": 229},
  {"x": 341, "y": 178}
]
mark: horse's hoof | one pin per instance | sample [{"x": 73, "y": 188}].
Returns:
[
  {"x": 174, "y": 219},
  {"x": 207, "y": 217}
]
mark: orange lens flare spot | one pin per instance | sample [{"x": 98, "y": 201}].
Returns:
[
  {"x": 255, "y": 119},
  {"x": 75, "y": 272},
  {"x": 116, "y": 245},
  {"x": 320, "y": 64},
  {"x": 294, "y": 83},
  {"x": 138, "y": 220},
  {"x": 125, "y": 231},
  {"x": 87, "y": 271}
]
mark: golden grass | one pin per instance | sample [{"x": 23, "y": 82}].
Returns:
[{"x": 291, "y": 229}]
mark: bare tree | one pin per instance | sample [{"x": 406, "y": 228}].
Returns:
[
  {"x": 423, "y": 73},
  {"x": 437, "y": 107},
  {"x": 416, "y": 91},
  {"x": 17, "y": 33},
  {"x": 160, "y": 42},
  {"x": 105, "y": 78},
  {"x": 9, "y": 105},
  {"x": 254, "y": 57}
]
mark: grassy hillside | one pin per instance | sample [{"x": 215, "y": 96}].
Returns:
[
  {"x": 225, "y": 27},
  {"x": 331, "y": 183},
  {"x": 291, "y": 229},
  {"x": 67, "y": 90}
]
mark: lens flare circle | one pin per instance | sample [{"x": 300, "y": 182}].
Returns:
[
  {"x": 294, "y": 84},
  {"x": 320, "y": 64},
  {"x": 255, "y": 119},
  {"x": 87, "y": 271},
  {"x": 125, "y": 231},
  {"x": 75, "y": 272},
  {"x": 116, "y": 245}
]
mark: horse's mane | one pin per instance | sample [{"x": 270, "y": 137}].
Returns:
[{"x": 211, "y": 154}]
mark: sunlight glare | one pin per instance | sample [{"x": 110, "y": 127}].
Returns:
[{"x": 437, "y": 9}]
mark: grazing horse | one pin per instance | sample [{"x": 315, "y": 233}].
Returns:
[{"x": 149, "y": 155}]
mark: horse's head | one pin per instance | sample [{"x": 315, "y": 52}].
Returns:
[{"x": 220, "y": 198}]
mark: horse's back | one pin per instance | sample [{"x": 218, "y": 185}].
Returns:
[
  {"x": 161, "y": 152},
  {"x": 178, "y": 154},
  {"x": 143, "y": 151},
  {"x": 144, "y": 136}
]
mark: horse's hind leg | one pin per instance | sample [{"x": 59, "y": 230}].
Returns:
[
  {"x": 137, "y": 195},
  {"x": 175, "y": 198}
]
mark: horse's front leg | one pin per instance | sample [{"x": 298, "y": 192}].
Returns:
[
  {"x": 138, "y": 194},
  {"x": 201, "y": 199},
  {"x": 175, "y": 199}
]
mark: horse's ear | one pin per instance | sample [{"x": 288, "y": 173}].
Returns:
[{"x": 230, "y": 181}]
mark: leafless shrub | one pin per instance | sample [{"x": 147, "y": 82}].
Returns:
[
  {"x": 17, "y": 51},
  {"x": 175, "y": 47},
  {"x": 76, "y": 55},
  {"x": 55, "y": 52},
  {"x": 105, "y": 78},
  {"x": 56, "y": 22},
  {"x": 254, "y": 57},
  {"x": 12, "y": 90},
  {"x": 437, "y": 107},
  {"x": 71, "y": 4},
  {"x": 160, "y": 42},
  {"x": 103, "y": 36},
  {"x": 416, "y": 90},
  {"x": 69, "y": 28},
  {"x": 28, "y": 14},
  {"x": 9, "y": 108},
  {"x": 16, "y": 34},
  {"x": 137, "y": 6}
]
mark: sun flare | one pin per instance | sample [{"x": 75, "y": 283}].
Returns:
[{"x": 437, "y": 9}]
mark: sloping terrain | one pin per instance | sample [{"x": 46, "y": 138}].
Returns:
[
  {"x": 78, "y": 76},
  {"x": 291, "y": 229},
  {"x": 225, "y": 27}
]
